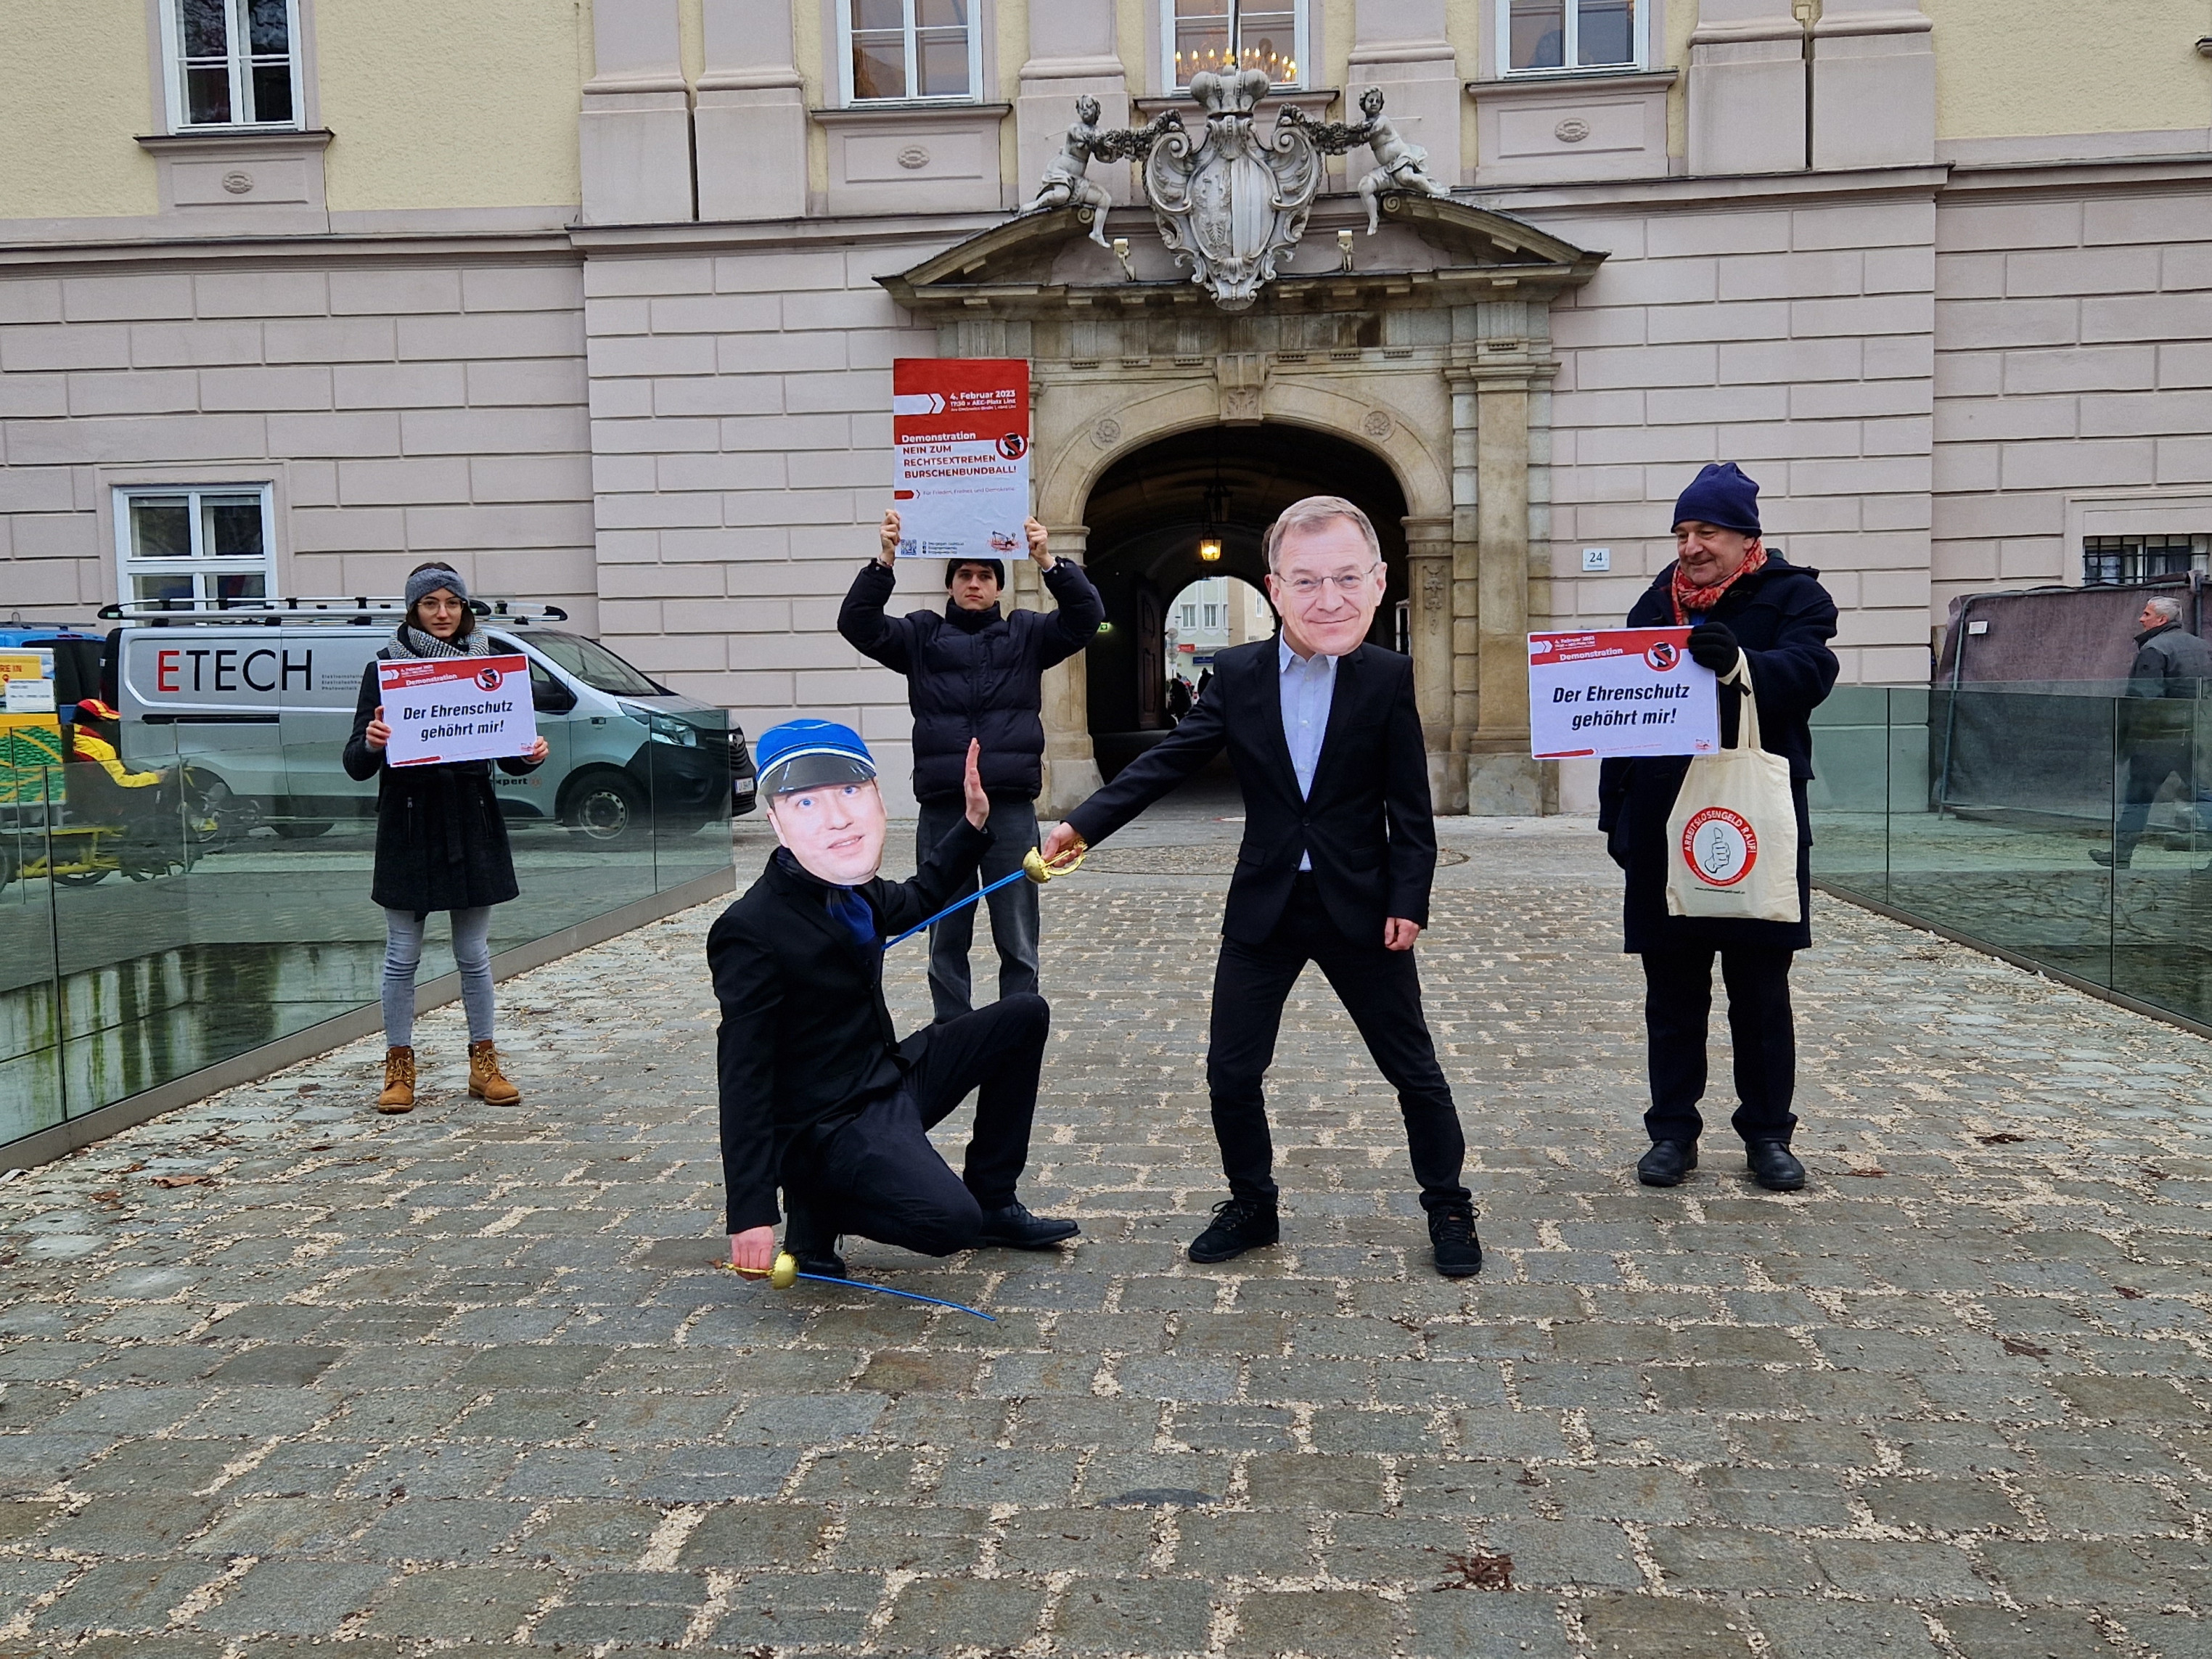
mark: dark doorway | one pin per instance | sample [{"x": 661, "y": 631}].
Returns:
[{"x": 1148, "y": 516}]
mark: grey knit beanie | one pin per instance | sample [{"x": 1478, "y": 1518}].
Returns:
[{"x": 431, "y": 581}]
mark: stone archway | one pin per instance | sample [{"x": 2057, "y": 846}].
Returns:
[
  {"x": 1433, "y": 354},
  {"x": 1145, "y": 516}
]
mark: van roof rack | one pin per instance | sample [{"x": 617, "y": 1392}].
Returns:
[{"x": 356, "y": 612}]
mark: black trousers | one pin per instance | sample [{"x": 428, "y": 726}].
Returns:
[
  {"x": 1678, "y": 999},
  {"x": 875, "y": 1175},
  {"x": 1380, "y": 989}
]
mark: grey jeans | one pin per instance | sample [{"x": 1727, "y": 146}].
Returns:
[
  {"x": 1013, "y": 907},
  {"x": 403, "y": 953}
]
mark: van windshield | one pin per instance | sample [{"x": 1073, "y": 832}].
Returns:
[{"x": 594, "y": 664}]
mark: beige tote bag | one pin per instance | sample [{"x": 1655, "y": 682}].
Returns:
[{"x": 1732, "y": 838}]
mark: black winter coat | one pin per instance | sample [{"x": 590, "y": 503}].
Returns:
[
  {"x": 805, "y": 1038},
  {"x": 440, "y": 843},
  {"x": 1783, "y": 619},
  {"x": 973, "y": 674}
]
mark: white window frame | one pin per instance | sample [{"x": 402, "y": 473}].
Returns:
[
  {"x": 848, "y": 99},
  {"x": 172, "y": 74},
  {"x": 1301, "y": 15},
  {"x": 1571, "y": 48},
  {"x": 197, "y": 563}
]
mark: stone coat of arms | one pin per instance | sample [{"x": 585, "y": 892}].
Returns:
[{"x": 1232, "y": 201}]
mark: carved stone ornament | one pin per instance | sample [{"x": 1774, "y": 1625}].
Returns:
[
  {"x": 1377, "y": 424},
  {"x": 912, "y": 158},
  {"x": 238, "y": 183},
  {"x": 1107, "y": 433},
  {"x": 1573, "y": 131},
  {"x": 1232, "y": 203}
]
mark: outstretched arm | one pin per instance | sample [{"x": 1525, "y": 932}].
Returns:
[
  {"x": 1202, "y": 735},
  {"x": 862, "y": 620}
]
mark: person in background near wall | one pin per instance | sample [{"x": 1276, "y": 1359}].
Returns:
[
  {"x": 2157, "y": 720},
  {"x": 440, "y": 845},
  {"x": 975, "y": 674},
  {"x": 1744, "y": 599},
  {"x": 1339, "y": 855}
]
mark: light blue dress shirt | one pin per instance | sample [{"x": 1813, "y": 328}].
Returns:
[{"x": 1308, "y": 684}]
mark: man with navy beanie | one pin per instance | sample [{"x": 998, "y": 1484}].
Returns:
[
  {"x": 819, "y": 1097},
  {"x": 1739, "y": 597}
]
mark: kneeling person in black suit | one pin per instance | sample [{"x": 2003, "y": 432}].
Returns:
[
  {"x": 818, "y": 1096},
  {"x": 1339, "y": 850}
]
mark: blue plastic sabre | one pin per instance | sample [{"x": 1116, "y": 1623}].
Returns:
[
  {"x": 1033, "y": 867},
  {"x": 786, "y": 1273}
]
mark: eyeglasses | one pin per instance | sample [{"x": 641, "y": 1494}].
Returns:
[{"x": 1306, "y": 587}]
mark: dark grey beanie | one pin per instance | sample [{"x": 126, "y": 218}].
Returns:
[{"x": 431, "y": 581}]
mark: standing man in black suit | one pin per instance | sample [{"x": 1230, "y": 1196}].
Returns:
[{"x": 1340, "y": 849}]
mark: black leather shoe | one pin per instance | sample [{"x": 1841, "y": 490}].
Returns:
[
  {"x": 1773, "y": 1166},
  {"x": 822, "y": 1261},
  {"x": 1668, "y": 1163},
  {"x": 1458, "y": 1252},
  {"x": 1015, "y": 1229},
  {"x": 1239, "y": 1225}
]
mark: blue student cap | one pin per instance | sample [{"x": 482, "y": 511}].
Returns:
[{"x": 808, "y": 754}]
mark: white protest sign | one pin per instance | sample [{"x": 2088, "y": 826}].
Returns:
[
  {"x": 1619, "y": 691},
  {"x": 456, "y": 708},
  {"x": 960, "y": 426}
]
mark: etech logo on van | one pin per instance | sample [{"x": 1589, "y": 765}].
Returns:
[{"x": 230, "y": 668}]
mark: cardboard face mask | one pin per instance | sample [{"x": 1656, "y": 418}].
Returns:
[{"x": 836, "y": 830}]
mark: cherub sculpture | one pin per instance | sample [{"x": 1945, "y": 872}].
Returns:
[
  {"x": 1399, "y": 164},
  {"x": 1065, "y": 183}
]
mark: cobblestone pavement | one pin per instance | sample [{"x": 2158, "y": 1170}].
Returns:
[{"x": 280, "y": 1373}]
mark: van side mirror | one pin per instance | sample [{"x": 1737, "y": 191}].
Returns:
[{"x": 548, "y": 696}]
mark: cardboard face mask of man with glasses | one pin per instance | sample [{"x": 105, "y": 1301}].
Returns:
[{"x": 1339, "y": 853}]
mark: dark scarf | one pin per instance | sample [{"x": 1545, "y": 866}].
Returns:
[
  {"x": 408, "y": 641},
  {"x": 841, "y": 903},
  {"x": 1689, "y": 599}
]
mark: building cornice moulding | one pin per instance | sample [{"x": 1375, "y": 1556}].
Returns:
[
  {"x": 1721, "y": 190},
  {"x": 179, "y": 253},
  {"x": 913, "y": 115},
  {"x": 1553, "y": 85},
  {"x": 239, "y": 140}
]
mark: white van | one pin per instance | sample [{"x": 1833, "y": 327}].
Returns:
[{"x": 259, "y": 698}]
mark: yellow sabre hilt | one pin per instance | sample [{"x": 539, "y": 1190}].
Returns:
[
  {"x": 1035, "y": 866},
  {"x": 780, "y": 1277}
]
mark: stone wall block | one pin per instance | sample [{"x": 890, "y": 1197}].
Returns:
[
  {"x": 1873, "y": 85},
  {"x": 2083, "y": 271},
  {"x": 86, "y": 345},
  {"x": 492, "y": 432},
  {"x": 297, "y": 385},
  {"x": 148, "y": 391},
  {"x": 742, "y": 396},
  {"x": 378, "y": 291},
  {"x": 126, "y": 299},
  {"x": 1746, "y": 91},
  {"x": 505, "y": 525},
  {"x": 524, "y": 381},
  {"x": 403, "y": 482},
  {"x": 261, "y": 294},
  {"x": 530, "y": 477},
  {"x": 713, "y": 313},
  {"x": 30, "y": 299},
  {"x": 177, "y": 345},
  {"x": 322, "y": 339},
  {"x": 399, "y": 385},
  {"x": 339, "y": 434},
  {"x": 506, "y": 334}
]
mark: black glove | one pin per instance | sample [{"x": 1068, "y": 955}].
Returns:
[
  {"x": 1616, "y": 841},
  {"x": 1712, "y": 645}
]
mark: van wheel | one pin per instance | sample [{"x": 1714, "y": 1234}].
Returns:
[
  {"x": 301, "y": 828},
  {"x": 608, "y": 809}
]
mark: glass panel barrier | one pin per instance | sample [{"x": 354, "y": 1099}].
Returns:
[{"x": 211, "y": 891}]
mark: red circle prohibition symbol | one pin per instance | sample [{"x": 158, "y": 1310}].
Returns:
[{"x": 1719, "y": 846}]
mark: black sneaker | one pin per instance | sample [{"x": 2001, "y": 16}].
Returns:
[
  {"x": 1239, "y": 1225},
  {"x": 1667, "y": 1163},
  {"x": 1773, "y": 1166},
  {"x": 1015, "y": 1229},
  {"x": 1458, "y": 1252}
]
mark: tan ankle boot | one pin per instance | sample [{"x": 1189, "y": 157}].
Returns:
[
  {"x": 484, "y": 1081},
  {"x": 398, "y": 1094}
]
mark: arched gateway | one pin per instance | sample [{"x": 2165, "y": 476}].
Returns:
[{"x": 1426, "y": 348}]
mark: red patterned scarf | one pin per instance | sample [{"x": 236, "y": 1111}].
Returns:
[{"x": 1689, "y": 598}]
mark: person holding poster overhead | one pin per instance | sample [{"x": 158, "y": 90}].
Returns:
[
  {"x": 440, "y": 844},
  {"x": 974, "y": 672},
  {"x": 1739, "y": 597},
  {"x": 1339, "y": 850}
]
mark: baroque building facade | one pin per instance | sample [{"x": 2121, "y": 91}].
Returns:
[{"x": 599, "y": 303}]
